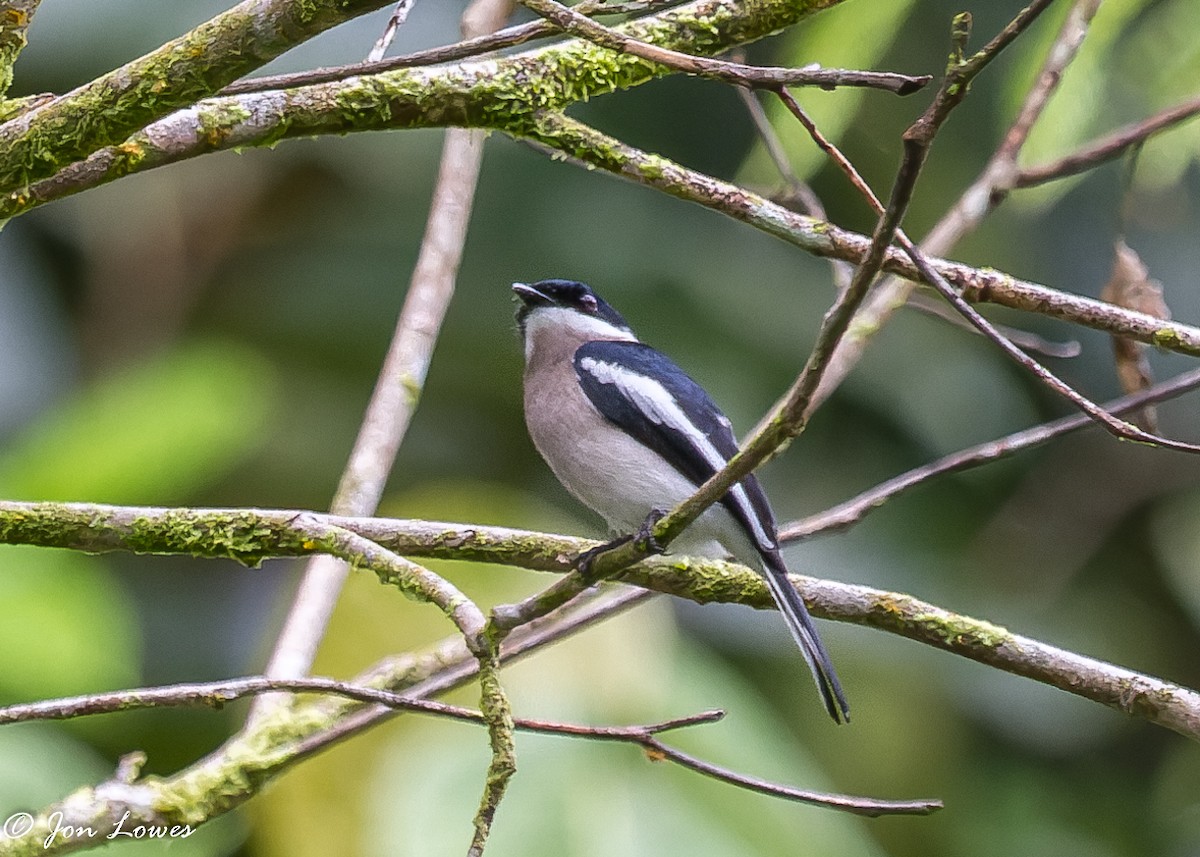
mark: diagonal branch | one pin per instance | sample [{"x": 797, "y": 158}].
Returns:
[
  {"x": 826, "y": 240},
  {"x": 219, "y": 693},
  {"x": 847, "y": 514},
  {"x": 739, "y": 74},
  {"x": 1116, "y": 426},
  {"x": 982, "y": 195},
  {"x": 1107, "y": 147}
]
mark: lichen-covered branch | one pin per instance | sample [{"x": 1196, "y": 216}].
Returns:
[
  {"x": 424, "y": 585},
  {"x": 15, "y": 16},
  {"x": 593, "y": 147},
  {"x": 502, "y": 94},
  {"x": 108, "y": 109},
  {"x": 249, "y": 536},
  {"x": 737, "y": 73}
]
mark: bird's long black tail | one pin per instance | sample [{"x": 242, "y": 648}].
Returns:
[{"x": 795, "y": 614}]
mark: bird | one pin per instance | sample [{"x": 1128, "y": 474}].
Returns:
[{"x": 630, "y": 435}]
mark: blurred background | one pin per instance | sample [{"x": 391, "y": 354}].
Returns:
[{"x": 209, "y": 333}]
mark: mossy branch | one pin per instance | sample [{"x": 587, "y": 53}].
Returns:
[
  {"x": 978, "y": 285},
  {"x": 502, "y": 94},
  {"x": 15, "y": 16},
  {"x": 229, "y": 124},
  {"x": 251, "y": 535},
  {"x": 290, "y": 733},
  {"x": 177, "y": 74}
]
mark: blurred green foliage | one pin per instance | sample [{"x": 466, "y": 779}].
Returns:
[{"x": 209, "y": 334}]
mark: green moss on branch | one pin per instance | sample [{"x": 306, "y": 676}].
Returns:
[{"x": 107, "y": 110}]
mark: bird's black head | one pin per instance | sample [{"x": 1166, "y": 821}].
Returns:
[{"x": 568, "y": 295}]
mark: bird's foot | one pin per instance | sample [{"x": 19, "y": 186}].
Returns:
[
  {"x": 586, "y": 559},
  {"x": 643, "y": 540}
]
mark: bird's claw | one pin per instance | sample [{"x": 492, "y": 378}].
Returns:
[{"x": 644, "y": 538}]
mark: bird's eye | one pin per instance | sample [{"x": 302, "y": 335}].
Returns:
[{"x": 588, "y": 303}]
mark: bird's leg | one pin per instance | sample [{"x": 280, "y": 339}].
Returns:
[{"x": 643, "y": 539}]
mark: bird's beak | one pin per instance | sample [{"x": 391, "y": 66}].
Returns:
[{"x": 530, "y": 296}]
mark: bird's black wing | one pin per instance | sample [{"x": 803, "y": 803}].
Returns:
[
  {"x": 650, "y": 398},
  {"x": 645, "y": 394}
]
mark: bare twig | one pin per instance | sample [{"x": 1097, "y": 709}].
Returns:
[
  {"x": 999, "y": 175},
  {"x": 219, "y": 693},
  {"x": 871, "y": 808},
  {"x": 892, "y": 293},
  {"x": 811, "y": 205},
  {"x": 1028, "y": 340},
  {"x": 397, "y": 392},
  {"x": 573, "y": 22},
  {"x": 1116, "y": 426},
  {"x": 395, "y": 22},
  {"x": 234, "y": 773},
  {"x": 846, "y": 514},
  {"x": 798, "y": 190},
  {"x": 1108, "y": 147},
  {"x": 506, "y": 38}
]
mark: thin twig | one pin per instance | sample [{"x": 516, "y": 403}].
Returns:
[
  {"x": 397, "y": 393},
  {"x": 999, "y": 175},
  {"x": 219, "y": 693},
  {"x": 395, "y": 22},
  {"x": 849, "y": 513},
  {"x": 798, "y": 189},
  {"x": 1116, "y": 426},
  {"x": 573, "y": 22},
  {"x": 472, "y": 47},
  {"x": 1107, "y": 147},
  {"x": 871, "y": 808},
  {"x": 892, "y": 292},
  {"x": 1028, "y": 340}
]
